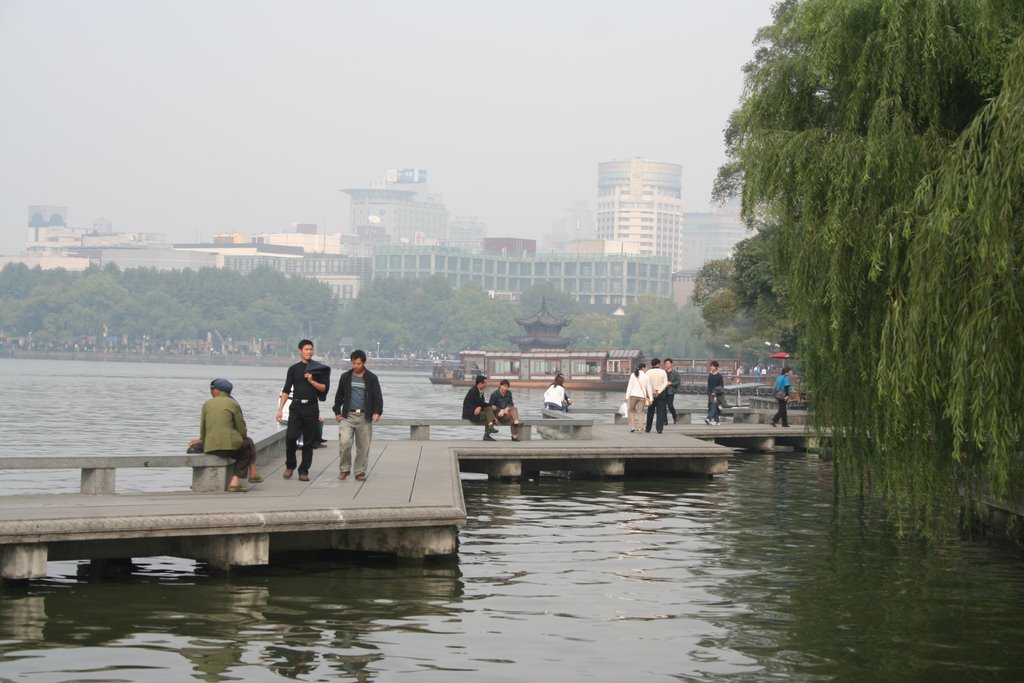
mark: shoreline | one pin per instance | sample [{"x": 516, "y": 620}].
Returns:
[{"x": 425, "y": 366}]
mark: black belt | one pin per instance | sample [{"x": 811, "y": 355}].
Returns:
[
  {"x": 357, "y": 412},
  {"x": 303, "y": 400}
]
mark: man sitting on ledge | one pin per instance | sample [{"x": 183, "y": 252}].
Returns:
[
  {"x": 505, "y": 410},
  {"x": 477, "y": 410},
  {"x": 222, "y": 431}
]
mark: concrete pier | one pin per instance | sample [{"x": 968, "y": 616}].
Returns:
[{"x": 410, "y": 505}]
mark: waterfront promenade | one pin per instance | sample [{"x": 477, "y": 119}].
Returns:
[{"x": 411, "y": 504}]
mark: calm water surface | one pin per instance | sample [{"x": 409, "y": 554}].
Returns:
[{"x": 752, "y": 576}]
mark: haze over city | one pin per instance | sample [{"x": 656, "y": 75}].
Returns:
[{"x": 191, "y": 118}]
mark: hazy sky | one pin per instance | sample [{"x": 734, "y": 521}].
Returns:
[{"x": 191, "y": 118}]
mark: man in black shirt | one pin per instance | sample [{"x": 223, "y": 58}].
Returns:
[
  {"x": 716, "y": 386},
  {"x": 476, "y": 409},
  {"x": 307, "y": 382}
]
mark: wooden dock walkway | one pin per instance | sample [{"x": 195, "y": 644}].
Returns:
[{"x": 410, "y": 505}]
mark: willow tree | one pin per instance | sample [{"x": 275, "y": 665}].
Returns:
[{"x": 885, "y": 139}]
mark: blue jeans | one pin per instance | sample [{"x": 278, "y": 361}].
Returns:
[{"x": 713, "y": 410}]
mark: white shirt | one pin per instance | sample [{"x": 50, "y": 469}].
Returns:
[
  {"x": 554, "y": 394},
  {"x": 659, "y": 380},
  {"x": 638, "y": 386}
]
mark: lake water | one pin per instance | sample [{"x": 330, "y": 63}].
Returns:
[{"x": 752, "y": 576}]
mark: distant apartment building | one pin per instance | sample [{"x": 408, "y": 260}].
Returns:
[
  {"x": 48, "y": 230},
  {"x": 306, "y": 236},
  {"x": 345, "y": 276},
  {"x": 402, "y": 210},
  {"x": 576, "y": 223},
  {"x": 640, "y": 201},
  {"x": 464, "y": 232},
  {"x": 711, "y": 235},
  {"x": 597, "y": 279},
  {"x": 510, "y": 246}
]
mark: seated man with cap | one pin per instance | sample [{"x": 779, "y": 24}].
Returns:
[
  {"x": 477, "y": 410},
  {"x": 222, "y": 431}
]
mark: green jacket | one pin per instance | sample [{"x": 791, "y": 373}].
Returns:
[
  {"x": 221, "y": 425},
  {"x": 673, "y": 381}
]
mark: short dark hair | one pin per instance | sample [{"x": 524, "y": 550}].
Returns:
[
  {"x": 714, "y": 363},
  {"x": 304, "y": 342},
  {"x": 655, "y": 362},
  {"x": 668, "y": 360},
  {"x": 785, "y": 369},
  {"x": 504, "y": 383},
  {"x": 358, "y": 353}
]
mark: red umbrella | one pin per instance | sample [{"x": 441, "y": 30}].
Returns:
[{"x": 779, "y": 354}]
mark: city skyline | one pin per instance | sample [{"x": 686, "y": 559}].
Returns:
[{"x": 191, "y": 119}]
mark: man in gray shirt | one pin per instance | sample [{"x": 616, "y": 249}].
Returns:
[{"x": 357, "y": 405}]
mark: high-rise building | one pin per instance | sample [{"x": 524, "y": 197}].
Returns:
[
  {"x": 402, "y": 207},
  {"x": 640, "y": 201},
  {"x": 711, "y": 235}
]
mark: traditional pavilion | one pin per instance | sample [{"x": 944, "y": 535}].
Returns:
[{"x": 543, "y": 331}]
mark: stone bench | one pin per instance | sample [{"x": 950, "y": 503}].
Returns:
[
  {"x": 210, "y": 473},
  {"x": 419, "y": 428}
]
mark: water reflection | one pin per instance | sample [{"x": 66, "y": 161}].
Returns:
[
  {"x": 164, "y": 621},
  {"x": 749, "y": 576}
]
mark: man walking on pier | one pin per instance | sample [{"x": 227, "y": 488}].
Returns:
[
  {"x": 659, "y": 386},
  {"x": 357, "y": 405},
  {"x": 673, "y": 387},
  {"x": 716, "y": 385},
  {"x": 307, "y": 381}
]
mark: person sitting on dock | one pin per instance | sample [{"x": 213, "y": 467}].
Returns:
[
  {"x": 477, "y": 410},
  {"x": 222, "y": 431},
  {"x": 555, "y": 397},
  {"x": 505, "y": 408}
]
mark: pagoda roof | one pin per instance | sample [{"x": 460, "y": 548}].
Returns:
[
  {"x": 543, "y": 317},
  {"x": 528, "y": 342}
]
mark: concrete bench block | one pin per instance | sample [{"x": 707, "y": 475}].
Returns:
[
  {"x": 98, "y": 480},
  {"x": 210, "y": 479}
]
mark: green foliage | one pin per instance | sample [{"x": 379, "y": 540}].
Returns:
[
  {"x": 884, "y": 141},
  {"x": 559, "y": 303},
  {"x": 60, "y": 307},
  {"x": 594, "y": 331},
  {"x": 743, "y": 299}
]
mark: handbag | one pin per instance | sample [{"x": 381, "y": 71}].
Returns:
[
  {"x": 624, "y": 409},
  {"x": 780, "y": 396}
]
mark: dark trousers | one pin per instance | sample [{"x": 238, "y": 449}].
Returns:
[
  {"x": 670, "y": 403},
  {"x": 304, "y": 419},
  {"x": 243, "y": 457},
  {"x": 781, "y": 413},
  {"x": 657, "y": 408}
]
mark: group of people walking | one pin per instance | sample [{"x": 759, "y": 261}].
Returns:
[
  {"x": 358, "y": 403},
  {"x": 654, "y": 390}
]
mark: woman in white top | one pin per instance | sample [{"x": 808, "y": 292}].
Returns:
[
  {"x": 555, "y": 397},
  {"x": 638, "y": 397}
]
